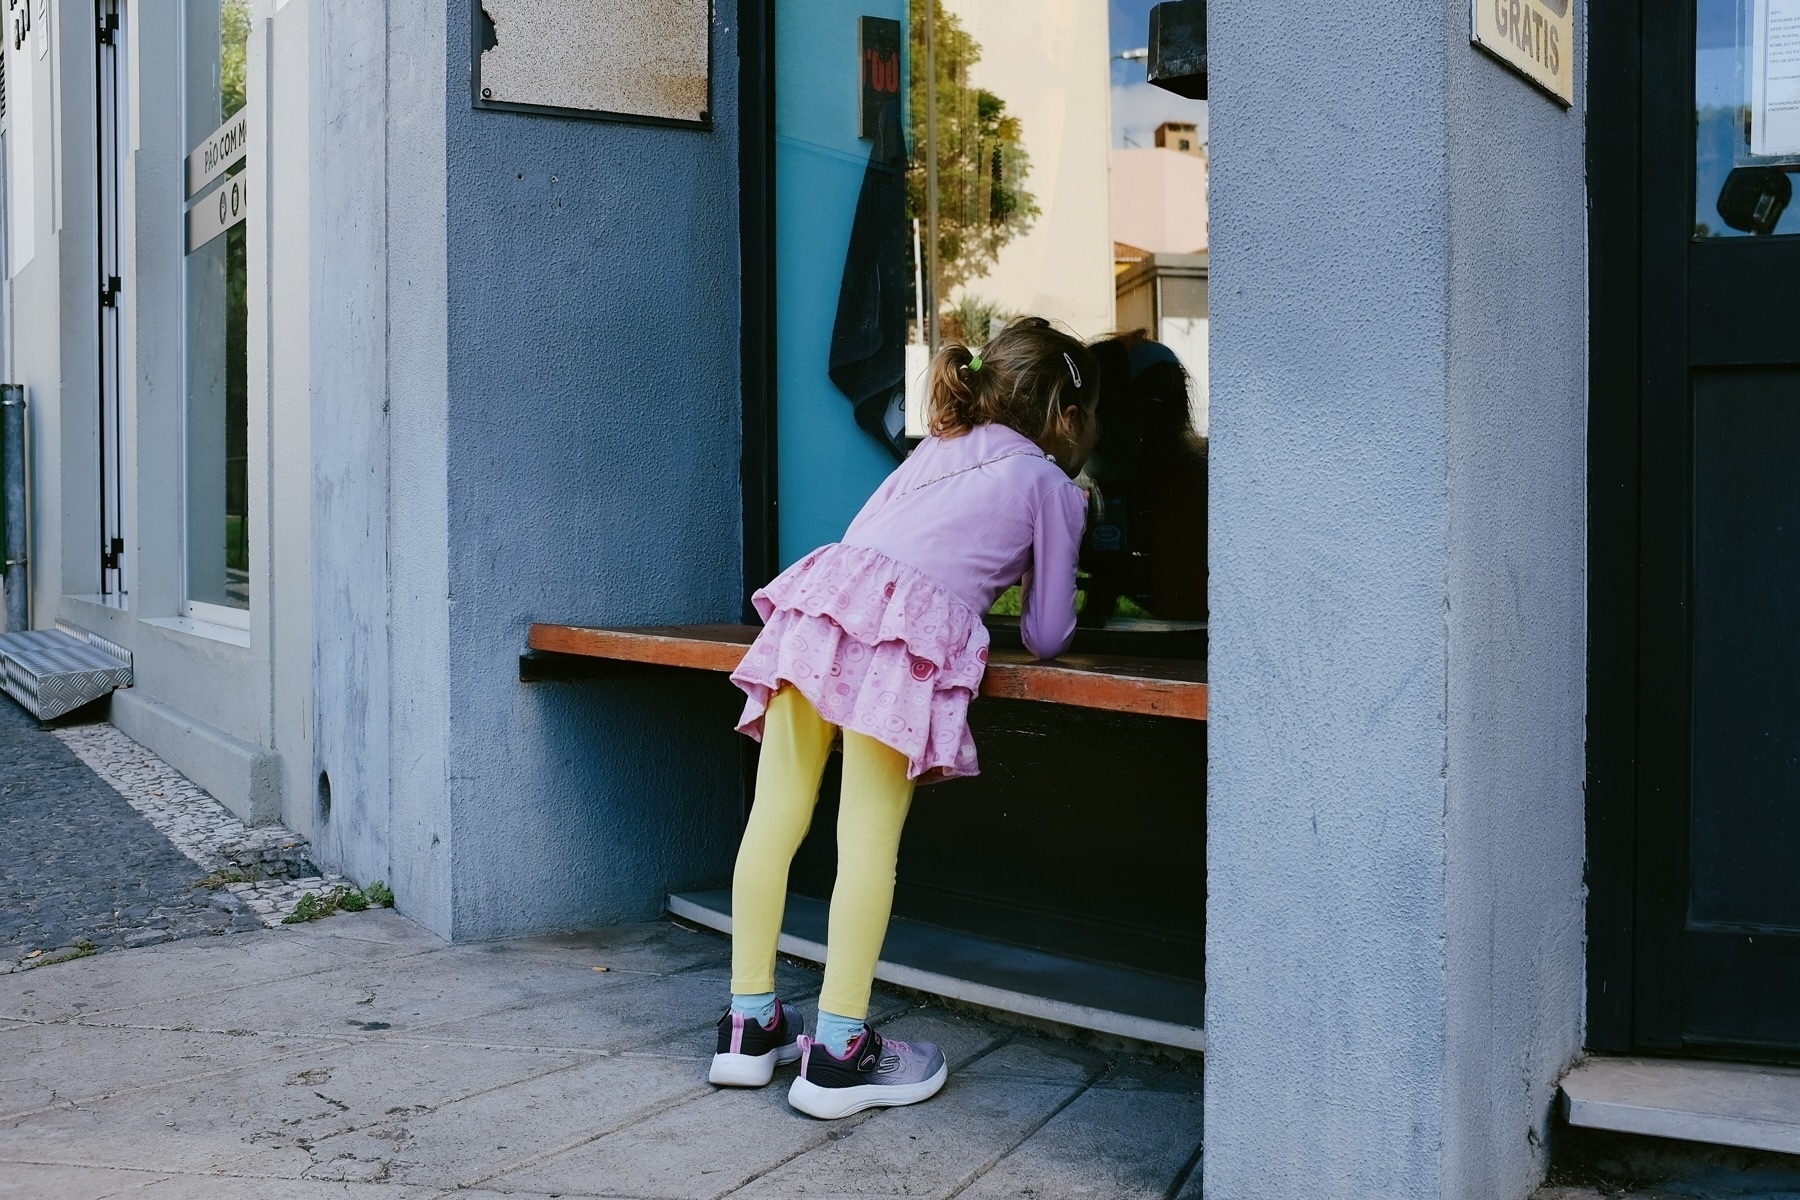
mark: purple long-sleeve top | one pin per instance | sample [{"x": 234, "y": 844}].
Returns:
[{"x": 979, "y": 513}]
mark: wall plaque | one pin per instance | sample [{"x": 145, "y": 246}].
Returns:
[
  {"x": 1536, "y": 38},
  {"x": 621, "y": 60}
]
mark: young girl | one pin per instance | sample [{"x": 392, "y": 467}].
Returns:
[{"x": 880, "y": 636}]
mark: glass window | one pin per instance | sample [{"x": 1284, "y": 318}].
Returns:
[
  {"x": 1746, "y": 117},
  {"x": 216, "y": 36},
  {"x": 944, "y": 166}
]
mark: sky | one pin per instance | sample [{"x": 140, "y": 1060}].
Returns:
[{"x": 1137, "y": 107}]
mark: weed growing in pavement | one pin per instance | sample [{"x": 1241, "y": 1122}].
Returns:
[
  {"x": 315, "y": 906},
  {"x": 83, "y": 949},
  {"x": 225, "y": 875}
]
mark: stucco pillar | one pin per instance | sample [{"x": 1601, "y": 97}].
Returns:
[{"x": 1394, "y": 955}]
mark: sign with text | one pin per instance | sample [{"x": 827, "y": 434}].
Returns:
[
  {"x": 880, "y": 68},
  {"x": 1775, "y": 78},
  {"x": 1536, "y": 38},
  {"x": 218, "y": 153},
  {"x": 214, "y": 214}
]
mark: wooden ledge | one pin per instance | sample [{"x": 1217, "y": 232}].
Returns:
[{"x": 1152, "y": 686}]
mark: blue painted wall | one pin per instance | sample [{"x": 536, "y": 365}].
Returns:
[
  {"x": 827, "y": 465},
  {"x": 593, "y": 435},
  {"x": 1394, "y": 960}
]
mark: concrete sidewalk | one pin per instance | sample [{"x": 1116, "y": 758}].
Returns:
[{"x": 360, "y": 1056}]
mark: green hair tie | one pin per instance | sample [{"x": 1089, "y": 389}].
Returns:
[{"x": 974, "y": 362}]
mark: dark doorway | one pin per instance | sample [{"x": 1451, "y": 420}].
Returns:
[{"x": 1695, "y": 541}]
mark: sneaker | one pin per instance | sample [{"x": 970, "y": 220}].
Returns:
[
  {"x": 748, "y": 1051},
  {"x": 877, "y": 1072}
]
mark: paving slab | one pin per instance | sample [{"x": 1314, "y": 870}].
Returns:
[
  {"x": 227, "y": 1187},
  {"x": 110, "y": 984},
  {"x": 716, "y": 1143},
  {"x": 409, "y": 993},
  {"x": 69, "y": 1064},
  {"x": 659, "y": 947},
  {"x": 467, "y": 1142},
  {"x": 1106, "y": 1145},
  {"x": 626, "y": 1010},
  {"x": 39, "y": 1181},
  {"x": 927, "y": 1149},
  {"x": 1041, "y": 1060},
  {"x": 261, "y": 1121}
]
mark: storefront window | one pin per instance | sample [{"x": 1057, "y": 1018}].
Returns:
[
  {"x": 944, "y": 166},
  {"x": 1746, "y": 117},
  {"x": 216, "y": 38}
]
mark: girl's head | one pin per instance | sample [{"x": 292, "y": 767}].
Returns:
[{"x": 1030, "y": 377}]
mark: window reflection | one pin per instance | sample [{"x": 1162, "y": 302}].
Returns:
[
  {"x": 1746, "y": 117},
  {"x": 216, "y": 41},
  {"x": 1012, "y": 161}
]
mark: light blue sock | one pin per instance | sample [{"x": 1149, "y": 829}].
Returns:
[
  {"x": 759, "y": 1008},
  {"x": 835, "y": 1033}
]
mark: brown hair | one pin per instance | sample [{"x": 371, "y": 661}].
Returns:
[{"x": 1027, "y": 375}]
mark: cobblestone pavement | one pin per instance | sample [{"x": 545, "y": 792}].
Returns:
[
  {"x": 268, "y": 866},
  {"x": 362, "y": 1057},
  {"x": 80, "y": 869},
  {"x": 104, "y": 846}
]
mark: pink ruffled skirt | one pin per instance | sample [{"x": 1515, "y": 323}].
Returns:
[{"x": 876, "y": 646}]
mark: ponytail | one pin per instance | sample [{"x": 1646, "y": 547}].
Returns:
[
  {"x": 954, "y": 406},
  {"x": 1023, "y": 378}
]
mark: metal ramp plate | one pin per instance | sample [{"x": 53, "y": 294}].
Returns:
[{"x": 51, "y": 672}]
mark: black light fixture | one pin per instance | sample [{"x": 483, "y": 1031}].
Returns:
[{"x": 1178, "y": 47}]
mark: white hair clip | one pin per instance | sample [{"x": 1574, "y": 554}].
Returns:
[{"x": 1073, "y": 373}]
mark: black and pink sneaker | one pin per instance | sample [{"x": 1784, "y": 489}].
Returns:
[
  {"x": 876, "y": 1072},
  {"x": 749, "y": 1051}
]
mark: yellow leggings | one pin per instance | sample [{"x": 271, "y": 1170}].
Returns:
[{"x": 877, "y": 793}]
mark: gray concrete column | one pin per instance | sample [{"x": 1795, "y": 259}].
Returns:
[{"x": 1394, "y": 956}]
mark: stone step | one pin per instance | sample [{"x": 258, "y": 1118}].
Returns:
[
  {"x": 1725, "y": 1104},
  {"x": 1162, "y": 1010},
  {"x": 53, "y": 671}
]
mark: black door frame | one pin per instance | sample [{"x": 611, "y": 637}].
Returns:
[
  {"x": 756, "y": 237},
  {"x": 1615, "y": 272}
]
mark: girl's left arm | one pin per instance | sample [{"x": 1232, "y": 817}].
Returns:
[{"x": 1047, "y": 597}]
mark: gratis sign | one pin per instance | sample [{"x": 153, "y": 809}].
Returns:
[{"x": 1536, "y": 38}]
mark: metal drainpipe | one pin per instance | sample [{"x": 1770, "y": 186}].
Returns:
[{"x": 12, "y": 486}]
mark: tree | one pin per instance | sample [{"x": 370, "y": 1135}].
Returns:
[
  {"x": 982, "y": 203},
  {"x": 234, "y": 45}
]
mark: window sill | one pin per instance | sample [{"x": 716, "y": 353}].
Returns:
[
  {"x": 115, "y": 602},
  {"x": 207, "y": 630}
]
